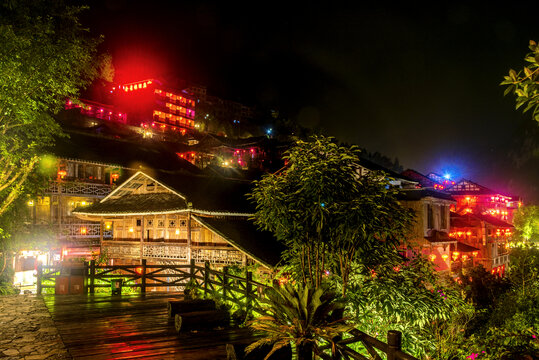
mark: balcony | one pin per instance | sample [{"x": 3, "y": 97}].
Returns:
[
  {"x": 82, "y": 230},
  {"x": 173, "y": 251},
  {"x": 78, "y": 188}
]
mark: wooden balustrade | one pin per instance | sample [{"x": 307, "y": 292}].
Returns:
[{"x": 242, "y": 291}]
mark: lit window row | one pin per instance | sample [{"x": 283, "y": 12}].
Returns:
[
  {"x": 173, "y": 119},
  {"x": 98, "y": 112},
  {"x": 134, "y": 86},
  {"x": 180, "y": 110},
  {"x": 178, "y": 99}
]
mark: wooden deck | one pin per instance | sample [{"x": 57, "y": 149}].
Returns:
[{"x": 132, "y": 327}]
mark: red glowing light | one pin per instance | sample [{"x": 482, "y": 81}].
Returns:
[
  {"x": 62, "y": 173},
  {"x": 83, "y": 231},
  {"x": 138, "y": 270}
]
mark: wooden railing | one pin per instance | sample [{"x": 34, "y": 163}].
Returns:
[{"x": 241, "y": 291}]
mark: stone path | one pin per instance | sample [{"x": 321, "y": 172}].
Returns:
[{"x": 27, "y": 330}]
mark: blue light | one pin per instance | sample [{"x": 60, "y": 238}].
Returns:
[
  {"x": 323, "y": 204},
  {"x": 269, "y": 131},
  {"x": 447, "y": 176}
]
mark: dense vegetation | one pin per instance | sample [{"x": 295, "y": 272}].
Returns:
[{"x": 343, "y": 233}]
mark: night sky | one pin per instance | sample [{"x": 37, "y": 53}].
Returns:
[{"x": 415, "y": 82}]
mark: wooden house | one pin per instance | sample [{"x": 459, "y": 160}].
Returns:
[
  {"x": 176, "y": 218},
  {"x": 430, "y": 234}
]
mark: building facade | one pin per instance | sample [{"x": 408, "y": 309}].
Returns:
[{"x": 176, "y": 224}]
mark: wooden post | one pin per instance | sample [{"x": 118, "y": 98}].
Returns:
[
  {"x": 191, "y": 269},
  {"x": 225, "y": 281},
  {"x": 206, "y": 277},
  {"x": 189, "y": 239},
  {"x": 143, "y": 277},
  {"x": 101, "y": 225},
  {"x": 92, "y": 277},
  {"x": 141, "y": 238},
  {"x": 39, "y": 278},
  {"x": 394, "y": 339},
  {"x": 248, "y": 290}
]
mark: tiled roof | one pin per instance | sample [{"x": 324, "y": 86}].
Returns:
[
  {"x": 436, "y": 236},
  {"x": 493, "y": 220},
  {"x": 242, "y": 233},
  {"x": 136, "y": 204},
  {"x": 129, "y": 154},
  {"x": 418, "y": 194},
  {"x": 211, "y": 193},
  {"x": 462, "y": 247}
]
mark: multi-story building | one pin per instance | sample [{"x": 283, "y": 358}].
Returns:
[
  {"x": 474, "y": 198},
  {"x": 430, "y": 233},
  {"x": 152, "y": 105},
  {"x": 145, "y": 104},
  {"x": 176, "y": 218},
  {"x": 488, "y": 234},
  {"x": 224, "y": 117}
]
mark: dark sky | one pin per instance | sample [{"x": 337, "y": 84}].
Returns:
[{"x": 413, "y": 81}]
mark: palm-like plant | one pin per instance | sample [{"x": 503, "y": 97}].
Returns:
[{"x": 302, "y": 318}]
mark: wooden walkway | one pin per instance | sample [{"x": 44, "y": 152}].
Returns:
[{"x": 132, "y": 327}]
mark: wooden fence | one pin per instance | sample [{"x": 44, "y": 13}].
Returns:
[{"x": 244, "y": 292}]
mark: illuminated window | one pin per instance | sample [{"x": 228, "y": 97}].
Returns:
[
  {"x": 430, "y": 217},
  {"x": 443, "y": 216}
]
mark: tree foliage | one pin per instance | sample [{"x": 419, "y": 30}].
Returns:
[
  {"x": 46, "y": 56},
  {"x": 526, "y": 223},
  {"x": 300, "y": 316},
  {"x": 524, "y": 84},
  {"x": 328, "y": 214}
]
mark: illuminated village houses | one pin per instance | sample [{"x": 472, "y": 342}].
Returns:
[
  {"x": 180, "y": 219},
  {"x": 483, "y": 217}
]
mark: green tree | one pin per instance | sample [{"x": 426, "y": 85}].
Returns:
[
  {"x": 526, "y": 223},
  {"x": 301, "y": 317},
  {"x": 329, "y": 213},
  {"x": 46, "y": 56},
  {"x": 524, "y": 84}
]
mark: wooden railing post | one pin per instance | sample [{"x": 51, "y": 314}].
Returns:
[
  {"x": 143, "y": 277},
  {"x": 39, "y": 278},
  {"x": 248, "y": 290},
  {"x": 91, "y": 287},
  {"x": 394, "y": 339},
  {"x": 225, "y": 281},
  {"x": 206, "y": 277},
  {"x": 191, "y": 269}
]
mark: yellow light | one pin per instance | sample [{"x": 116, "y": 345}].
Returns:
[
  {"x": 108, "y": 225},
  {"x": 432, "y": 257},
  {"x": 83, "y": 203},
  {"x": 445, "y": 256},
  {"x": 30, "y": 203},
  {"x": 177, "y": 231},
  {"x": 131, "y": 230}
]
